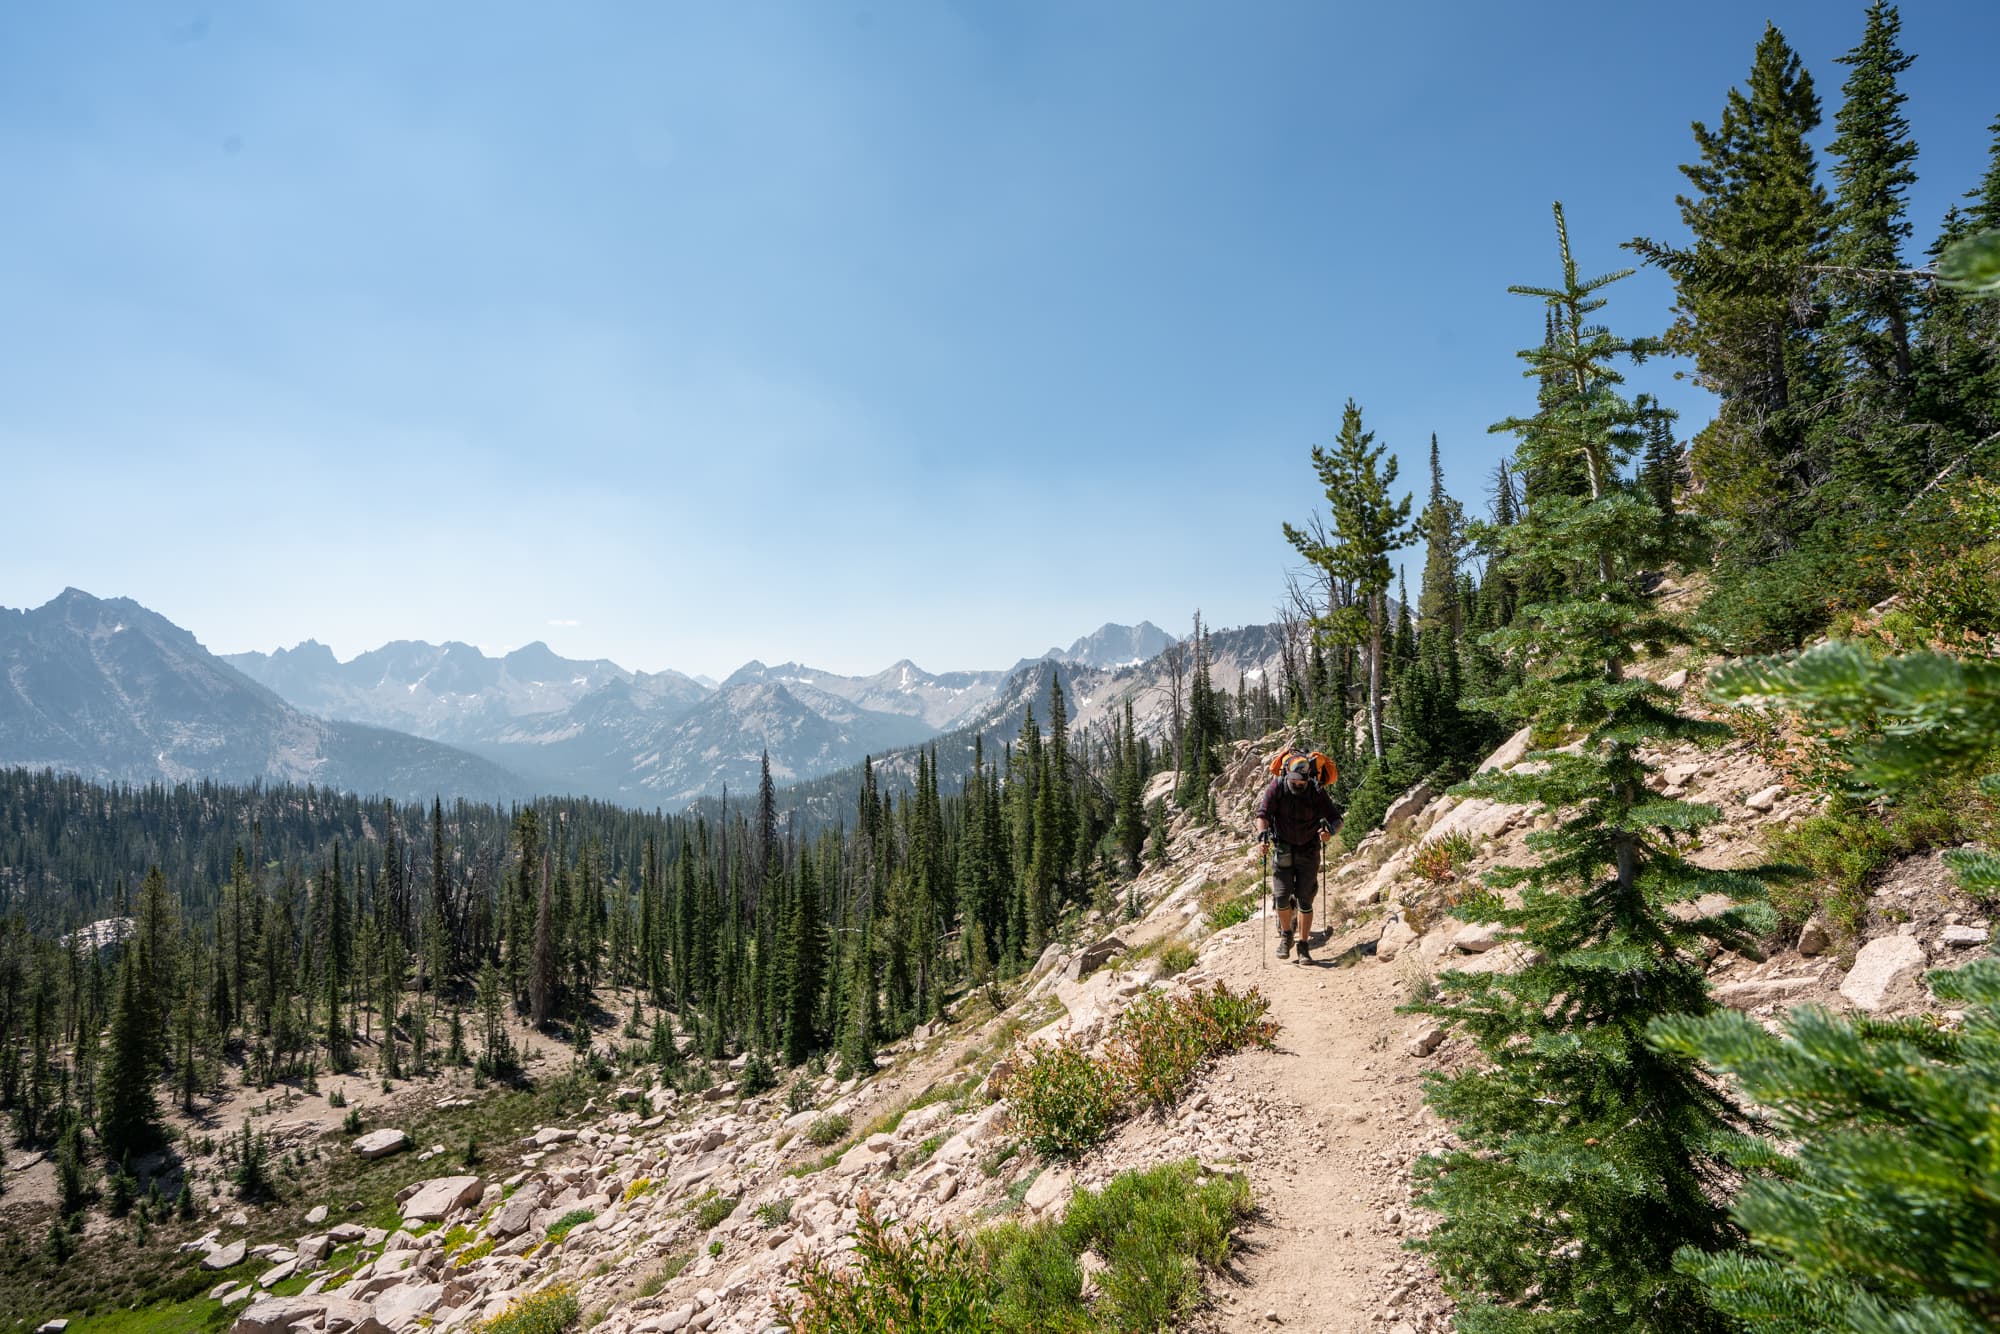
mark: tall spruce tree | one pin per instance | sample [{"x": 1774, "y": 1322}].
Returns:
[
  {"x": 1587, "y": 1159},
  {"x": 1758, "y": 222},
  {"x": 1875, "y": 298}
]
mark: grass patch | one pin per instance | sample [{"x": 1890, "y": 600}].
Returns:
[
  {"x": 669, "y": 1270},
  {"x": 1176, "y": 959},
  {"x": 711, "y": 1208},
  {"x": 774, "y": 1212},
  {"x": 457, "y": 1237},
  {"x": 825, "y": 1130},
  {"x": 1845, "y": 849},
  {"x": 550, "y": 1311},
  {"x": 1158, "y": 1233},
  {"x": 563, "y": 1226},
  {"x": 1227, "y": 903}
]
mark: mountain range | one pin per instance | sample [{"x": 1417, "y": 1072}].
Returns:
[
  {"x": 110, "y": 690},
  {"x": 107, "y": 688}
]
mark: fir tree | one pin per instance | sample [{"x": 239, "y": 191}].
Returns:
[
  {"x": 1587, "y": 1158},
  {"x": 1883, "y": 1217}
]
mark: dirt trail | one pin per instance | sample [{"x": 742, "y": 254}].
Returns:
[{"x": 1328, "y": 1255}]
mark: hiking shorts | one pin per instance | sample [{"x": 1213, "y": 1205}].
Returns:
[{"x": 1296, "y": 884}]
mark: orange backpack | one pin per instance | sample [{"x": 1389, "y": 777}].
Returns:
[{"x": 1324, "y": 772}]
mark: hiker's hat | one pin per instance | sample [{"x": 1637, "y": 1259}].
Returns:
[{"x": 1299, "y": 772}]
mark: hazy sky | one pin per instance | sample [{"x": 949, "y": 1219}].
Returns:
[{"x": 685, "y": 333}]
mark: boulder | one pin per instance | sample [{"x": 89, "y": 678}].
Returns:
[
  {"x": 1396, "y": 933},
  {"x": 1752, "y": 992},
  {"x": 1476, "y": 937},
  {"x": 438, "y": 1197},
  {"x": 316, "y": 1215},
  {"x": 277, "y": 1315},
  {"x": 1406, "y": 807},
  {"x": 1765, "y": 798},
  {"x": 1882, "y": 969},
  {"x": 1509, "y": 754},
  {"x": 1093, "y": 957},
  {"x": 399, "y": 1307},
  {"x": 1427, "y": 1038},
  {"x": 1963, "y": 937},
  {"x": 1813, "y": 937},
  {"x": 1050, "y": 1189},
  {"x": 514, "y": 1214},
  {"x": 226, "y": 1257},
  {"x": 381, "y": 1143}
]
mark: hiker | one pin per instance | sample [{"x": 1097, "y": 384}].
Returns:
[{"x": 1295, "y": 816}]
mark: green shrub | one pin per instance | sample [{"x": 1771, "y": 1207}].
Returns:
[
  {"x": 919, "y": 1280},
  {"x": 1062, "y": 1099},
  {"x": 1161, "y": 1041},
  {"x": 1038, "y": 1282},
  {"x": 774, "y": 1212},
  {"x": 1158, "y": 1232},
  {"x": 639, "y": 1186},
  {"x": 550, "y": 1311},
  {"x": 561, "y": 1227},
  {"x": 826, "y": 1130}
]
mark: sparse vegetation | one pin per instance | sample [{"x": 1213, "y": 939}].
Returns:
[
  {"x": 1064, "y": 1099},
  {"x": 550, "y": 1311},
  {"x": 826, "y": 1130}
]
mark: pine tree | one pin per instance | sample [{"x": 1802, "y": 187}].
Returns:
[
  {"x": 1588, "y": 1156},
  {"x": 128, "y": 1120}
]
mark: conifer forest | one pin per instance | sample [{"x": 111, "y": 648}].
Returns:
[{"x": 1627, "y": 1154}]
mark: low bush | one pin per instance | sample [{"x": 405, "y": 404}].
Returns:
[
  {"x": 1158, "y": 1232},
  {"x": 912, "y": 1280},
  {"x": 1176, "y": 959},
  {"x": 1063, "y": 1099},
  {"x": 1438, "y": 860},
  {"x": 772, "y": 1213},
  {"x": 550, "y": 1311},
  {"x": 639, "y": 1186}
]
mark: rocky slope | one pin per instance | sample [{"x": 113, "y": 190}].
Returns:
[{"x": 700, "y": 1203}]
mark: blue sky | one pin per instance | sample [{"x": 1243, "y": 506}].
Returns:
[{"x": 686, "y": 333}]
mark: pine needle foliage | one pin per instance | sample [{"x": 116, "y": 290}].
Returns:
[{"x": 1587, "y": 1157}]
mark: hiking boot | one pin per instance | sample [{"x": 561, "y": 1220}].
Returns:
[
  {"x": 1305, "y": 952},
  {"x": 1284, "y": 944}
]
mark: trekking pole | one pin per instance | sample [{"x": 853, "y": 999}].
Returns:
[{"x": 1264, "y": 911}]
